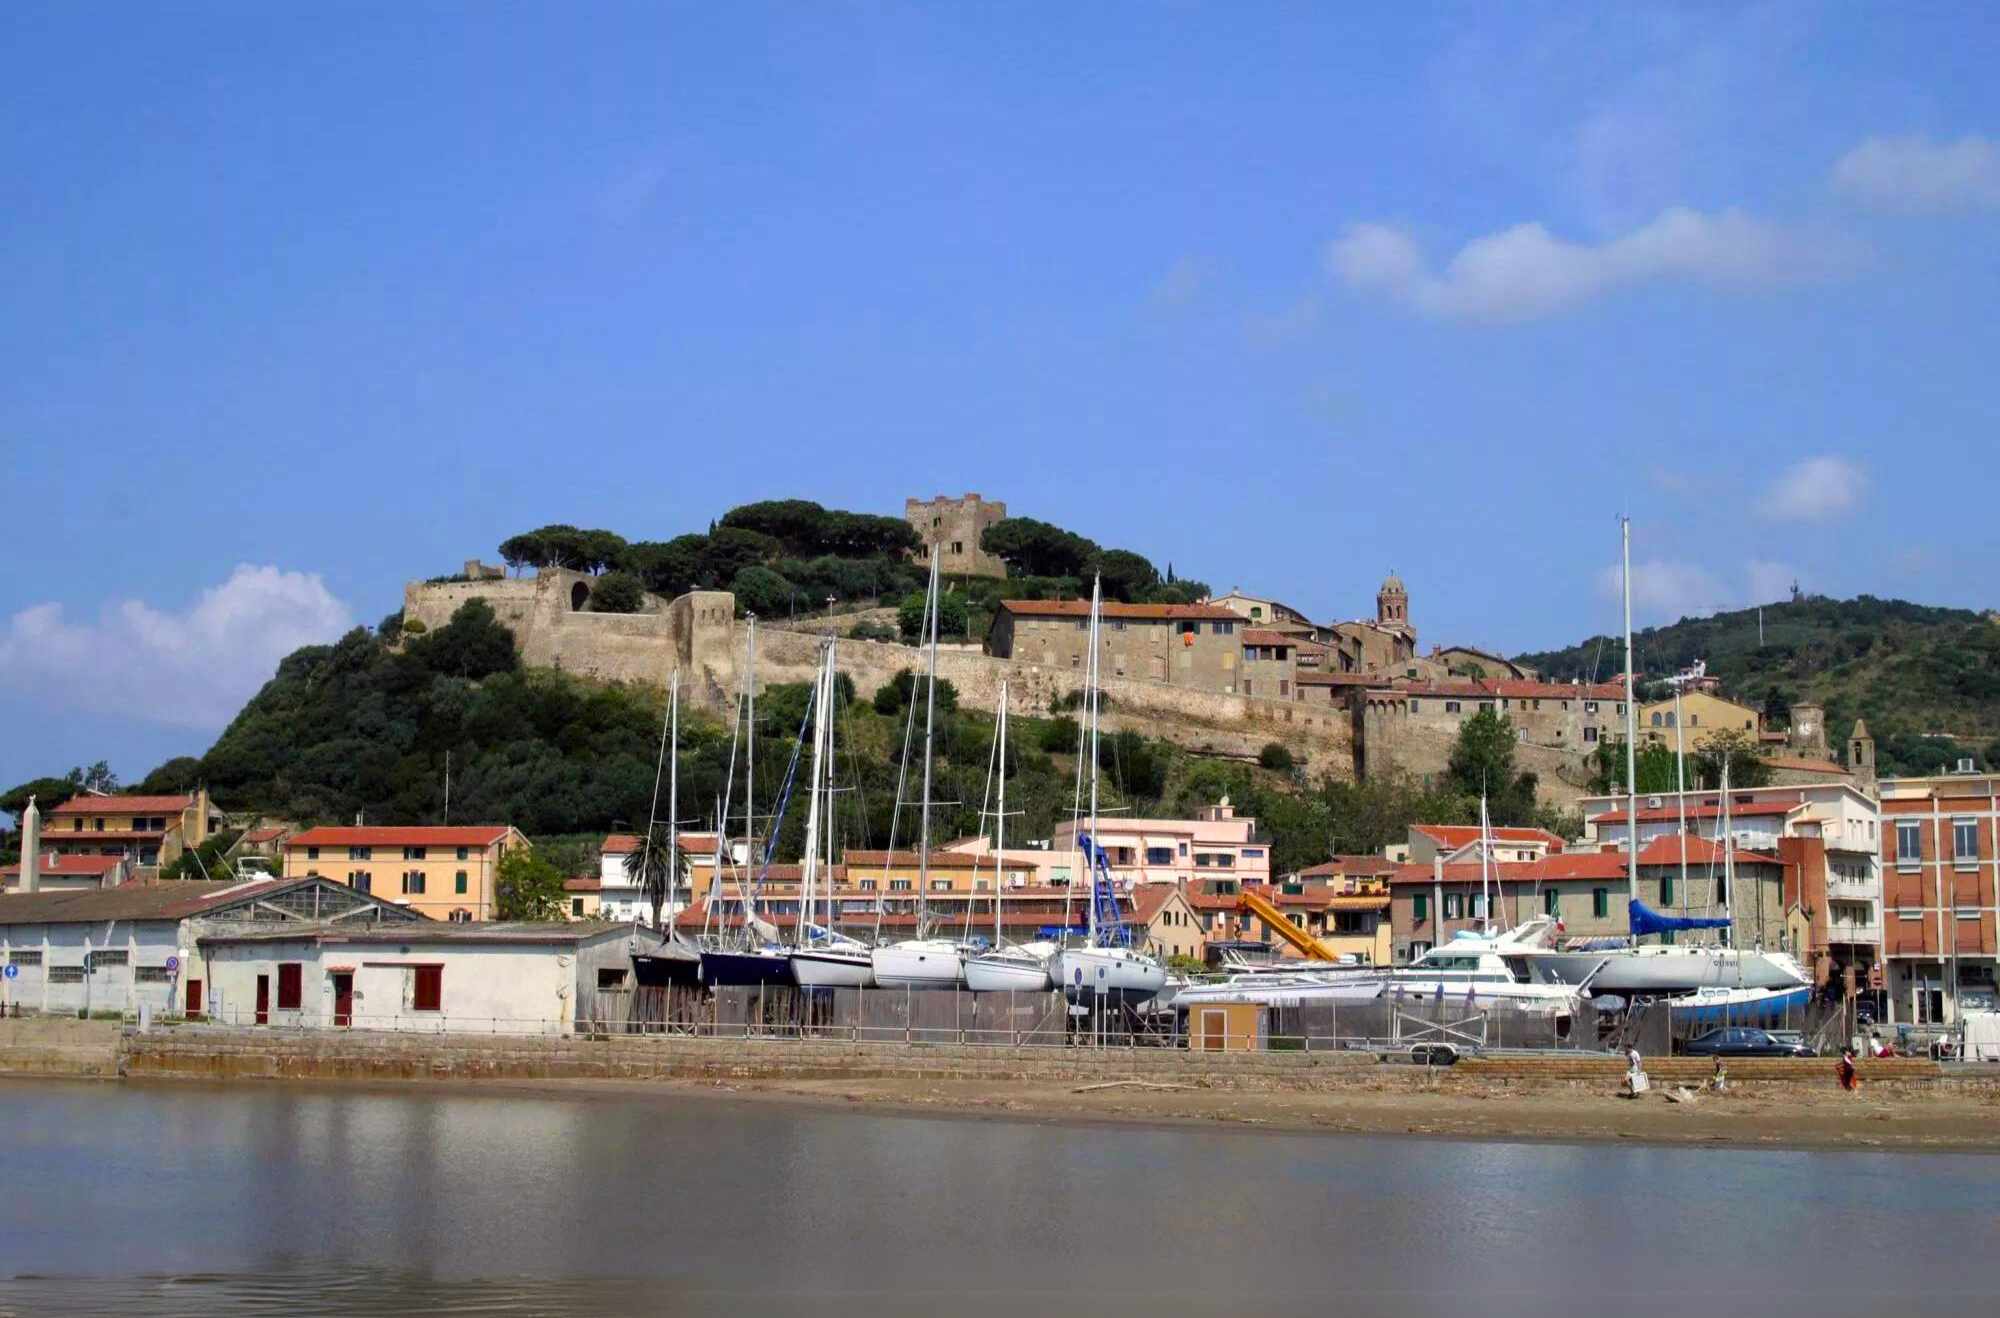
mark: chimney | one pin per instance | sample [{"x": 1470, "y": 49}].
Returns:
[{"x": 31, "y": 845}]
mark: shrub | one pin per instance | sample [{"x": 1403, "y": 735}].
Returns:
[
  {"x": 617, "y": 592},
  {"x": 1058, "y": 735},
  {"x": 951, "y": 617},
  {"x": 871, "y": 631},
  {"x": 1276, "y": 756}
]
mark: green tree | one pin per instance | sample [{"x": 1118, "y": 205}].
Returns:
[
  {"x": 1276, "y": 756},
  {"x": 669, "y": 568},
  {"x": 94, "y": 778},
  {"x": 528, "y": 549},
  {"x": 951, "y": 617},
  {"x": 1482, "y": 759},
  {"x": 799, "y": 525},
  {"x": 730, "y": 549},
  {"x": 1059, "y": 735},
  {"x": 472, "y": 645},
  {"x": 1126, "y": 576},
  {"x": 652, "y": 865},
  {"x": 898, "y": 691},
  {"x": 1739, "y": 750},
  {"x": 1036, "y": 549},
  {"x": 763, "y": 592},
  {"x": 180, "y": 774},
  {"x": 390, "y": 629},
  {"x": 1655, "y": 763},
  {"x": 617, "y": 592},
  {"x": 47, "y": 792},
  {"x": 528, "y": 887}
]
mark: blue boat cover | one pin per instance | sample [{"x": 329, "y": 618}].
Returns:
[{"x": 1643, "y": 920}]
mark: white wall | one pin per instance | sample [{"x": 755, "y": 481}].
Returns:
[
  {"x": 146, "y": 944},
  {"x": 518, "y": 988}
]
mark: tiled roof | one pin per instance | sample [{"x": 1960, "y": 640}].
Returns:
[
  {"x": 1699, "y": 810},
  {"x": 1700, "y": 851},
  {"x": 583, "y": 885},
  {"x": 123, "y": 805},
  {"x": 271, "y": 834},
  {"x": 1148, "y": 898},
  {"x": 1265, "y": 636},
  {"x": 127, "y": 901},
  {"x": 1130, "y": 612},
  {"x": 58, "y": 866},
  {"x": 1572, "y": 865},
  {"x": 1342, "y": 679},
  {"x": 476, "y": 835},
  {"x": 619, "y": 844},
  {"x": 1803, "y": 764},
  {"x": 1458, "y": 835}
]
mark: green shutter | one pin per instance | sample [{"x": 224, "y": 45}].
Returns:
[
  {"x": 1667, "y": 890},
  {"x": 1552, "y": 902},
  {"x": 1420, "y": 907},
  {"x": 1600, "y": 902}
]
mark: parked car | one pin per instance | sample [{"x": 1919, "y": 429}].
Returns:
[{"x": 1742, "y": 1041}]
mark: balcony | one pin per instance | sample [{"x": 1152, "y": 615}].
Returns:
[
  {"x": 1870, "y": 934},
  {"x": 1853, "y": 890}
]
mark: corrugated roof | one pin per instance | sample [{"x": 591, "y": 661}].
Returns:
[
  {"x": 127, "y": 901},
  {"x": 410, "y": 835},
  {"x": 429, "y": 932},
  {"x": 1156, "y": 612}
]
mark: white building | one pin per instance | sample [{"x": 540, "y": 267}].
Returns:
[
  {"x": 433, "y": 977},
  {"x": 113, "y": 950}
]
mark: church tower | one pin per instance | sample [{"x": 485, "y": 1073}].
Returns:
[
  {"x": 1861, "y": 752},
  {"x": 1392, "y": 604}
]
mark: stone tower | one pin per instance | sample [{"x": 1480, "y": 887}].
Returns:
[
  {"x": 955, "y": 526},
  {"x": 1861, "y": 752},
  {"x": 1392, "y": 604},
  {"x": 1808, "y": 731}
]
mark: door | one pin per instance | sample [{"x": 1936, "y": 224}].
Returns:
[
  {"x": 194, "y": 998},
  {"x": 1214, "y": 1030},
  {"x": 263, "y": 999},
  {"x": 343, "y": 999}
]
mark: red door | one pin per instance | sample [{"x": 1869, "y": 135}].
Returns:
[
  {"x": 343, "y": 1000},
  {"x": 263, "y": 999},
  {"x": 194, "y": 998}
]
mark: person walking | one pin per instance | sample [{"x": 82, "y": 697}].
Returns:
[{"x": 1850, "y": 1079}]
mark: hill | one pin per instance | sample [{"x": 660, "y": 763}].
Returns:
[{"x": 1926, "y": 679}]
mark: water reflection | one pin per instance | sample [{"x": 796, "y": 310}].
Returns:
[{"x": 275, "y": 1199}]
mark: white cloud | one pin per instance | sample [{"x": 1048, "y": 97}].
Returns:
[
  {"x": 194, "y": 668},
  {"x": 1664, "y": 589},
  {"x": 1525, "y": 271},
  {"x": 1815, "y": 490},
  {"x": 1916, "y": 175},
  {"x": 1770, "y": 581}
]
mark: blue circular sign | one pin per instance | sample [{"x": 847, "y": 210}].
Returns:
[
  {"x": 173, "y": 964},
  {"x": 13, "y": 971}
]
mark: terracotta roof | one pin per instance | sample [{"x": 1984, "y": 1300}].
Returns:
[
  {"x": 1360, "y": 901},
  {"x": 1148, "y": 898},
  {"x": 123, "y": 805},
  {"x": 1458, "y": 835},
  {"x": 1265, "y": 636},
  {"x": 1407, "y": 874},
  {"x": 271, "y": 834},
  {"x": 583, "y": 885},
  {"x": 1699, "y": 810},
  {"x": 70, "y": 837},
  {"x": 1572, "y": 865},
  {"x": 1700, "y": 851},
  {"x": 1155, "y": 612},
  {"x": 1342, "y": 679},
  {"x": 1803, "y": 764},
  {"x": 415, "y": 835},
  {"x": 621, "y": 844},
  {"x": 58, "y": 866},
  {"x": 1341, "y": 866}
]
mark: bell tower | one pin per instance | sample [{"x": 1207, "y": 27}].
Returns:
[{"x": 1392, "y": 603}]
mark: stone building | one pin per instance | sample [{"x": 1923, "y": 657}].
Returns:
[
  {"x": 1701, "y": 713},
  {"x": 1420, "y": 720},
  {"x": 1378, "y": 646},
  {"x": 1195, "y": 645},
  {"x": 955, "y": 527},
  {"x": 1261, "y": 611}
]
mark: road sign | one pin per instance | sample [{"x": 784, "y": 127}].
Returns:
[
  {"x": 173, "y": 964},
  {"x": 13, "y": 971}
]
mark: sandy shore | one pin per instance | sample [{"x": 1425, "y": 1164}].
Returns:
[{"x": 1885, "y": 1121}]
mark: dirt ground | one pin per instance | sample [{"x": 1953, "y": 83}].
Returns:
[{"x": 1885, "y": 1120}]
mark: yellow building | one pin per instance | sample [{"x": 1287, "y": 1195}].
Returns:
[
  {"x": 1701, "y": 713},
  {"x": 1173, "y": 927},
  {"x": 444, "y": 873},
  {"x": 150, "y": 830}
]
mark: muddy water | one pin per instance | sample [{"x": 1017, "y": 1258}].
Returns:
[{"x": 268, "y": 1199}]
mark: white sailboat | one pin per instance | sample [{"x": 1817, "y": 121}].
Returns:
[
  {"x": 1008, "y": 967},
  {"x": 821, "y": 957},
  {"x": 923, "y": 962},
  {"x": 1106, "y": 969}
]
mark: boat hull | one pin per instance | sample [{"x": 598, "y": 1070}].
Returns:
[
  {"x": 1748, "y": 1007},
  {"x": 743, "y": 969},
  {"x": 1006, "y": 974},
  {"x": 1655, "y": 970},
  {"x": 832, "y": 969},
  {"x": 920, "y": 965},
  {"x": 1112, "y": 975}
]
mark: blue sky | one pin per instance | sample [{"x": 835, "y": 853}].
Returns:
[{"x": 299, "y": 305}]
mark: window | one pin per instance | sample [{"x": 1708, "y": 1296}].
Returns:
[
  {"x": 1452, "y": 906},
  {"x": 1225, "y": 629},
  {"x": 151, "y": 975},
  {"x": 608, "y": 978},
  {"x": 1420, "y": 907},
  {"x": 312, "y": 853},
  {"x": 1964, "y": 844},
  {"x": 427, "y": 988},
  {"x": 940, "y": 885},
  {"x": 1475, "y": 906},
  {"x": 360, "y": 881},
  {"x": 1722, "y": 888},
  {"x": 21, "y": 956},
  {"x": 465, "y": 853},
  {"x": 361, "y": 853},
  {"x": 1253, "y": 853},
  {"x": 458, "y": 883},
  {"x": 460, "y": 916},
  {"x": 1284, "y": 687},
  {"x": 576, "y": 909},
  {"x": 99, "y": 824},
  {"x": 1590, "y": 706},
  {"x": 1451, "y": 707},
  {"x": 1656, "y": 718},
  {"x": 958, "y": 546},
  {"x": 1589, "y": 733},
  {"x": 1416, "y": 706},
  {"x": 899, "y": 885},
  {"x": 866, "y": 885},
  {"x": 1666, "y": 890},
  {"x": 1159, "y": 855},
  {"x": 1600, "y": 902},
  {"x": 413, "y": 883},
  {"x": 413, "y": 853},
  {"x": 1909, "y": 844},
  {"x": 65, "y": 974},
  {"x": 291, "y": 985},
  {"x": 76, "y": 826},
  {"x": 1694, "y": 720},
  {"x": 1247, "y": 687},
  {"x": 1552, "y": 903}
]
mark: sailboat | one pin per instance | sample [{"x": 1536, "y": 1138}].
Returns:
[
  {"x": 1008, "y": 967},
  {"x": 1106, "y": 969},
  {"x": 923, "y": 962},
  {"x": 752, "y": 955},
  {"x": 1664, "y": 968},
  {"x": 821, "y": 957},
  {"x": 676, "y": 960}
]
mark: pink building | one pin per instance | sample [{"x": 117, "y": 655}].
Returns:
[{"x": 1221, "y": 844}]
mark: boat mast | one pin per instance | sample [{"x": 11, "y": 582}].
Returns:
[
  {"x": 750, "y": 774},
  {"x": 1728, "y": 856},
  {"x": 1485, "y": 865},
  {"x": 809, "y": 870},
  {"x": 1000, "y": 829},
  {"x": 1090, "y": 698},
  {"x": 930, "y": 723},
  {"x": 832, "y": 762},
  {"x": 1681, "y": 787},
  {"x": 1631, "y": 729},
  {"x": 653, "y": 815}
]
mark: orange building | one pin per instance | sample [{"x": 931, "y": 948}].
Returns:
[{"x": 1940, "y": 889}]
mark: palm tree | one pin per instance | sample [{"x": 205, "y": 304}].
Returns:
[{"x": 656, "y": 865}]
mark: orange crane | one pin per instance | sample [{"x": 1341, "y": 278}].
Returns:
[{"x": 1278, "y": 922}]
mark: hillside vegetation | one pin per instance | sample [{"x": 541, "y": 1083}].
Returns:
[{"x": 1926, "y": 679}]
